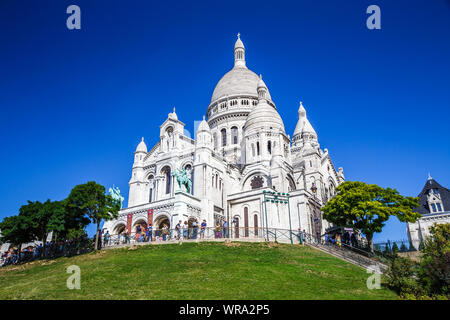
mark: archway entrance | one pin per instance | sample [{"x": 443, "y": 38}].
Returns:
[
  {"x": 141, "y": 224},
  {"x": 119, "y": 228}
]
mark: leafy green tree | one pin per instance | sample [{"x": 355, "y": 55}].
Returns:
[
  {"x": 16, "y": 230},
  {"x": 403, "y": 247},
  {"x": 90, "y": 200},
  {"x": 60, "y": 221},
  {"x": 395, "y": 248},
  {"x": 367, "y": 207},
  {"x": 435, "y": 261}
]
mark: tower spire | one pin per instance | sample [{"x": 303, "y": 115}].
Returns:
[{"x": 239, "y": 53}]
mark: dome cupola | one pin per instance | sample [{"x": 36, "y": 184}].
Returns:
[
  {"x": 239, "y": 53},
  {"x": 142, "y": 147},
  {"x": 203, "y": 126},
  {"x": 263, "y": 114}
]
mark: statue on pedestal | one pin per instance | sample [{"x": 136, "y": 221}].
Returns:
[{"x": 183, "y": 179}]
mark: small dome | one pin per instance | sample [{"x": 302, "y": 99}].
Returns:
[
  {"x": 263, "y": 115},
  {"x": 303, "y": 124},
  {"x": 142, "y": 147},
  {"x": 203, "y": 126},
  {"x": 239, "y": 44}
]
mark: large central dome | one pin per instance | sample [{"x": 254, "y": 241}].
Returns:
[{"x": 239, "y": 81}]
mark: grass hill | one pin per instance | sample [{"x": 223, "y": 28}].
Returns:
[{"x": 206, "y": 270}]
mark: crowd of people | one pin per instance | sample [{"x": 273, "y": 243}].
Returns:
[
  {"x": 181, "y": 231},
  {"x": 52, "y": 249}
]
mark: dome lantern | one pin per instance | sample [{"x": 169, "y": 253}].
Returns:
[{"x": 239, "y": 53}]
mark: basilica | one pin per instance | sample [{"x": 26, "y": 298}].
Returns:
[{"x": 241, "y": 153}]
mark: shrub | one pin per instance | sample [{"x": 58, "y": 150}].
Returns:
[
  {"x": 435, "y": 261},
  {"x": 402, "y": 277}
]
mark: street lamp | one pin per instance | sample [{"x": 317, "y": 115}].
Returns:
[
  {"x": 317, "y": 224},
  {"x": 277, "y": 197}
]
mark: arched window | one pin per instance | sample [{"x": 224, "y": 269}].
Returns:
[
  {"x": 151, "y": 182},
  {"x": 234, "y": 135},
  {"x": 224, "y": 137},
  {"x": 269, "y": 147},
  {"x": 236, "y": 227},
  {"x": 257, "y": 148},
  {"x": 255, "y": 224},
  {"x": 246, "y": 222},
  {"x": 168, "y": 176},
  {"x": 215, "y": 141}
]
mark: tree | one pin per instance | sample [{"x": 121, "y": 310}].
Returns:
[
  {"x": 395, "y": 248},
  {"x": 16, "y": 230},
  {"x": 38, "y": 214},
  {"x": 401, "y": 276},
  {"x": 403, "y": 247},
  {"x": 367, "y": 207},
  {"x": 435, "y": 260},
  {"x": 89, "y": 200}
]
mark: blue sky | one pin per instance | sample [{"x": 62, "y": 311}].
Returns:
[{"x": 75, "y": 103}]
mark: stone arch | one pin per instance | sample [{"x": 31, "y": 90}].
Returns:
[
  {"x": 160, "y": 219},
  {"x": 119, "y": 227},
  {"x": 257, "y": 172},
  {"x": 140, "y": 221},
  {"x": 291, "y": 183},
  {"x": 166, "y": 171}
]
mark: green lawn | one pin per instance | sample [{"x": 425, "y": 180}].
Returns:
[{"x": 204, "y": 270}]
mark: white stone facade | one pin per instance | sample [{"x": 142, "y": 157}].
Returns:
[{"x": 239, "y": 151}]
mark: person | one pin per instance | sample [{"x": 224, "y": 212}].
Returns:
[
  {"x": 185, "y": 230},
  {"x": 353, "y": 240},
  {"x": 106, "y": 238},
  {"x": 300, "y": 236},
  {"x": 194, "y": 229},
  {"x": 338, "y": 239},
  {"x": 99, "y": 240},
  {"x": 178, "y": 229},
  {"x": 327, "y": 242},
  {"x": 150, "y": 233},
  {"x": 165, "y": 232},
  {"x": 202, "y": 229},
  {"x": 218, "y": 229},
  {"x": 225, "y": 228}
]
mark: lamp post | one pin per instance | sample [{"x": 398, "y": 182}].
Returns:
[
  {"x": 277, "y": 197},
  {"x": 317, "y": 224}
]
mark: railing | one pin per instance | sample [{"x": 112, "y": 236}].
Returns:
[
  {"x": 233, "y": 233},
  {"x": 52, "y": 250}
]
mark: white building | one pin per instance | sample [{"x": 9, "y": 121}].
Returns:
[
  {"x": 434, "y": 207},
  {"x": 240, "y": 150}
]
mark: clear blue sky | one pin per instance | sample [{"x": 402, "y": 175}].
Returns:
[{"x": 75, "y": 104}]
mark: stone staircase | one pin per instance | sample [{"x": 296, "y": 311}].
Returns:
[{"x": 350, "y": 256}]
